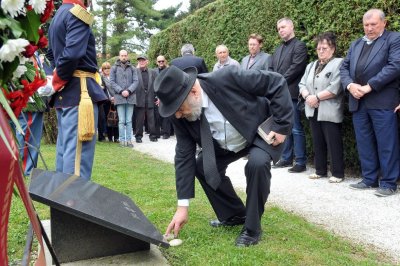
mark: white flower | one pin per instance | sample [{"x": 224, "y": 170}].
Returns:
[
  {"x": 11, "y": 49},
  {"x": 38, "y": 5},
  {"x": 13, "y": 7},
  {"x": 23, "y": 60},
  {"x": 21, "y": 69}
]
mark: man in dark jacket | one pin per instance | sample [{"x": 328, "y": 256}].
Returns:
[
  {"x": 166, "y": 126},
  {"x": 188, "y": 59},
  {"x": 290, "y": 60},
  {"x": 221, "y": 112},
  {"x": 145, "y": 99},
  {"x": 370, "y": 72}
]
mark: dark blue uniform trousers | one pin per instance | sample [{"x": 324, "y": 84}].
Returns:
[{"x": 67, "y": 141}]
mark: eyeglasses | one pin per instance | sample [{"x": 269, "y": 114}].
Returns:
[
  {"x": 161, "y": 61},
  {"x": 322, "y": 49},
  {"x": 106, "y": 68}
]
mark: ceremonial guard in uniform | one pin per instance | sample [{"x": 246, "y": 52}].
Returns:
[{"x": 73, "y": 54}]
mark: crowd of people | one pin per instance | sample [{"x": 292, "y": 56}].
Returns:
[
  {"x": 220, "y": 106},
  {"x": 130, "y": 92},
  {"x": 221, "y": 111},
  {"x": 317, "y": 89}
]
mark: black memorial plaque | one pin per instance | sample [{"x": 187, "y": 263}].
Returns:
[{"x": 89, "y": 220}]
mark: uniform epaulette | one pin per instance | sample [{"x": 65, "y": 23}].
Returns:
[{"x": 82, "y": 14}]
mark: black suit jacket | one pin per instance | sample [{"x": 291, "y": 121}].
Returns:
[
  {"x": 381, "y": 72},
  {"x": 141, "y": 94},
  {"x": 189, "y": 61},
  {"x": 290, "y": 61},
  {"x": 245, "y": 98}
]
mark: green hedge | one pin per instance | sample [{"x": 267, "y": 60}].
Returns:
[{"x": 230, "y": 22}]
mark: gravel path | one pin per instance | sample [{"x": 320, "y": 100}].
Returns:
[{"x": 356, "y": 215}]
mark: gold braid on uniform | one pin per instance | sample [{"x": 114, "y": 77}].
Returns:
[
  {"x": 82, "y": 14},
  {"x": 86, "y": 123}
]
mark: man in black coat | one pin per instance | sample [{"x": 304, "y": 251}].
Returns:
[
  {"x": 188, "y": 59},
  {"x": 145, "y": 99},
  {"x": 163, "y": 122},
  {"x": 290, "y": 60},
  {"x": 230, "y": 103}
]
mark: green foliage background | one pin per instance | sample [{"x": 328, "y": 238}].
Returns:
[{"x": 230, "y": 22}]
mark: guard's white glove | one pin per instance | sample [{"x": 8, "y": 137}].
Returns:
[{"x": 46, "y": 90}]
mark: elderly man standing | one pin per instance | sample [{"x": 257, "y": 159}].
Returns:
[
  {"x": 145, "y": 99},
  {"x": 290, "y": 60},
  {"x": 162, "y": 63},
  {"x": 166, "y": 126},
  {"x": 221, "y": 112},
  {"x": 188, "y": 59},
  {"x": 124, "y": 81},
  {"x": 72, "y": 53},
  {"x": 224, "y": 59},
  {"x": 370, "y": 72},
  {"x": 257, "y": 59}
]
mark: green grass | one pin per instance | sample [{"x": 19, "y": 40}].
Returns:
[{"x": 287, "y": 238}]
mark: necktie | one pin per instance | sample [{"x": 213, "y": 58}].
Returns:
[
  {"x": 251, "y": 62},
  {"x": 209, "y": 163}
]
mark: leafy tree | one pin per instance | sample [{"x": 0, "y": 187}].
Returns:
[
  {"x": 197, "y": 4},
  {"x": 129, "y": 24}
]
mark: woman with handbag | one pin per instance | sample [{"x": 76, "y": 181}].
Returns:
[
  {"x": 321, "y": 89},
  {"x": 109, "y": 108}
]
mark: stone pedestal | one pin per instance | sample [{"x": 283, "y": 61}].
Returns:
[{"x": 89, "y": 220}]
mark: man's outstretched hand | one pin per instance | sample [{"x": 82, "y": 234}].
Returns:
[{"x": 178, "y": 221}]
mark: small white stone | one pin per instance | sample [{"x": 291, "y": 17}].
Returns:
[
  {"x": 169, "y": 237},
  {"x": 175, "y": 242}
]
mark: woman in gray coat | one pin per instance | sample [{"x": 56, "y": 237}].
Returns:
[{"x": 321, "y": 89}]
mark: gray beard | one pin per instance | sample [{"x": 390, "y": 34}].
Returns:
[{"x": 196, "y": 109}]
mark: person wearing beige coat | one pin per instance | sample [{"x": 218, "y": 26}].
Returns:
[{"x": 321, "y": 89}]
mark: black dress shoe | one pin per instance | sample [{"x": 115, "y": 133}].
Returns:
[
  {"x": 154, "y": 139},
  {"x": 282, "y": 164},
  {"x": 139, "y": 140},
  {"x": 247, "y": 238},
  {"x": 297, "y": 168},
  {"x": 165, "y": 136},
  {"x": 235, "y": 220}
]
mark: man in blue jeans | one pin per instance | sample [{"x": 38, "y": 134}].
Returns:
[
  {"x": 290, "y": 60},
  {"x": 124, "y": 81}
]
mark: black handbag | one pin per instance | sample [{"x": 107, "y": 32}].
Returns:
[
  {"x": 112, "y": 117},
  {"x": 301, "y": 103}
]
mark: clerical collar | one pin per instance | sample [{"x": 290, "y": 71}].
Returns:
[{"x": 288, "y": 41}]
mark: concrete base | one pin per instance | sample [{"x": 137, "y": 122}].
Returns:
[
  {"x": 75, "y": 239},
  {"x": 144, "y": 258}
]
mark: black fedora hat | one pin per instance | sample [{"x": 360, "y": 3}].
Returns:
[{"x": 172, "y": 87}]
